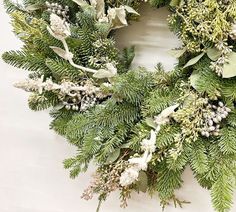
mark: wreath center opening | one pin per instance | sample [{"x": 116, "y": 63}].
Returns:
[{"x": 151, "y": 37}]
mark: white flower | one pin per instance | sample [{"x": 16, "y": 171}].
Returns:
[
  {"x": 103, "y": 19},
  {"x": 163, "y": 117},
  {"x": 58, "y": 27},
  {"x": 111, "y": 13},
  {"x": 31, "y": 84},
  {"x": 50, "y": 85},
  {"x": 149, "y": 144},
  {"x": 66, "y": 88},
  {"x": 107, "y": 84},
  {"x": 117, "y": 17},
  {"x": 93, "y": 3},
  {"x": 89, "y": 88},
  {"x": 111, "y": 68},
  {"x": 140, "y": 163},
  {"x": 129, "y": 176}
]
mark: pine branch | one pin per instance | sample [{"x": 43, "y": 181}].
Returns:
[
  {"x": 222, "y": 192},
  {"x": 60, "y": 121},
  {"x": 62, "y": 70},
  {"x": 132, "y": 86},
  {"x": 227, "y": 140},
  {"x": 167, "y": 182},
  {"x": 198, "y": 157},
  {"x": 42, "y": 101},
  {"x": 166, "y": 136},
  {"x": 11, "y": 6},
  {"x": 20, "y": 59}
]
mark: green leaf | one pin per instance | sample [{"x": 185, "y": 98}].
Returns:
[
  {"x": 150, "y": 122},
  {"x": 81, "y": 3},
  {"x": 60, "y": 52},
  {"x": 125, "y": 146},
  {"x": 174, "y": 3},
  {"x": 230, "y": 68},
  {"x": 113, "y": 156},
  {"x": 102, "y": 73},
  {"x": 194, "y": 60},
  {"x": 142, "y": 182},
  {"x": 194, "y": 78},
  {"x": 130, "y": 10},
  {"x": 177, "y": 52},
  {"x": 33, "y": 7},
  {"x": 59, "y": 106},
  {"x": 213, "y": 53}
]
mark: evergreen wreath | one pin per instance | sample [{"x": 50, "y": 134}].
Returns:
[{"x": 141, "y": 128}]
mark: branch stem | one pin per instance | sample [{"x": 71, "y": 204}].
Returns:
[{"x": 72, "y": 62}]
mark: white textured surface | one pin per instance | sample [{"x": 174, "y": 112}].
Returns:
[{"x": 32, "y": 177}]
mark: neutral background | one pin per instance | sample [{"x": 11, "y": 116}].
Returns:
[{"x": 32, "y": 178}]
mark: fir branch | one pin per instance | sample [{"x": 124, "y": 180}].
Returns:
[
  {"x": 222, "y": 192},
  {"x": 42, "y": 101},
  {"x": 21, "y": 59},
  {"x": 62, "y": 70},
  {"x": 198, "y": 157},
  {"x": 167, "y": 182}
]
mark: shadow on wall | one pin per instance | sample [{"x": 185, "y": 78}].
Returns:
[{"x": 151, "y": 37}]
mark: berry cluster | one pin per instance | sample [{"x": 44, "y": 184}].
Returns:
[
  {"x": 83, "y": 99},
  {"x": 58, "y": 9},
  {"x": 213, "y": 119}
]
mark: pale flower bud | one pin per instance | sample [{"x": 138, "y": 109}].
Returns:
[
  {"x": 129, "y": 176},
  {"x": 117, "y": 17},
  {"x": 58, "y": 27},
  {"x": 111, "y": 68},
  {"x": 149, "y": 144}
]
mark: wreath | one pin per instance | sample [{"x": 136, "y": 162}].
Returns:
[{"x": 141, "y": 128}]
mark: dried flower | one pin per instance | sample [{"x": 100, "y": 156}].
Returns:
[
  {"x": 58, "y": 27},
  {"x": 163, "y": 117},
  {"x": 117, "y": 17},
  {"x": 129, "y": 176},
  {"x": 149, "y": 144},
  {"x": 81, "y": 96}
]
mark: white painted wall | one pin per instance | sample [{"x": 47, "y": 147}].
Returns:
[{"x": 32, "y": 178}]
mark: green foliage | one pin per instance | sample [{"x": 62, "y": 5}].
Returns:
[
  {"x": 159, "y": 100},
  {"x": 133, "y": 86},
  {"x": 227, "y": 141},
  {"x": 91, "y": 135},
  {"x": 166, "y": 136},
  {"x": 117, "y": 122},
  {"x": 159, "y": 3},
  {"x": 207, "y": 81},
  {"x": 193, "y": 17},
  {"x": 222, "y": 192},
  {"x": 61, "y": 117},
  {"x": 61, "y": 69},
  {"x": 197, "y": 155},
  {"x": 29, "y": 62},
  {"x": 10, "y": 6},
  {"x": 232, "y": 119},
  {"x": 128, "y": 56},
  {"x": 167, "y": 182},
  {"x": 42, "y": 101}
]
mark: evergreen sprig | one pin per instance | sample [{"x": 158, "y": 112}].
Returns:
[{"x": 128, "y": 105}]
